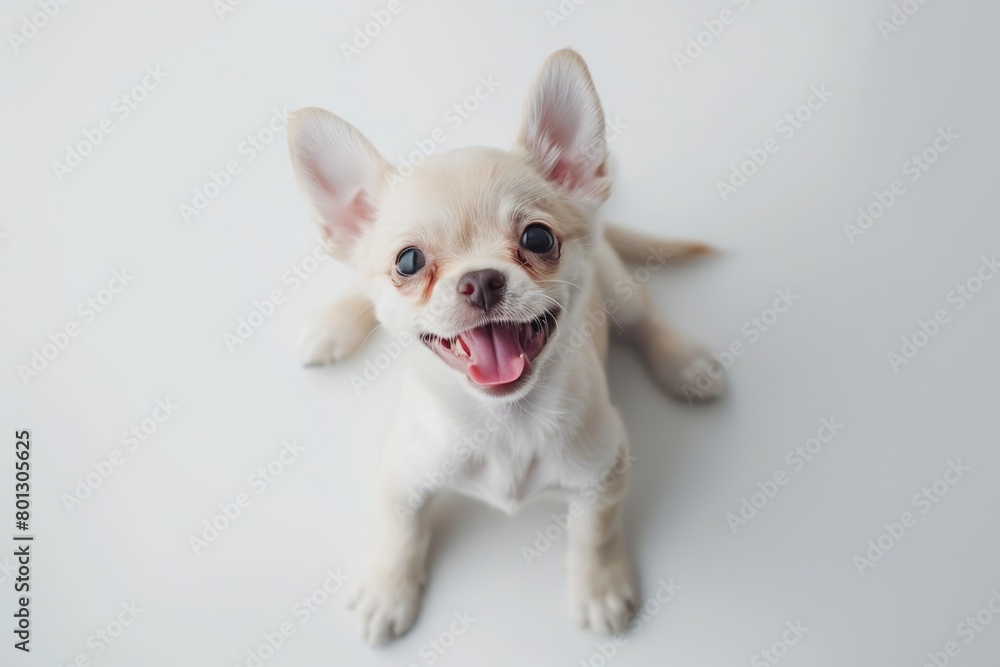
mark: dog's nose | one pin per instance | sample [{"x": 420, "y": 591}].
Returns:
[{"x": 484, "y": 288}]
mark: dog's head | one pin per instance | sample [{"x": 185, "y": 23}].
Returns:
[{"x": 481, "y": 255}]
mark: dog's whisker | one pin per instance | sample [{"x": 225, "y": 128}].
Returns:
[
  {"x": 347, "y": 329},
  {"x": 379, "y": 326},
  {"x": 589, "y": 300}
]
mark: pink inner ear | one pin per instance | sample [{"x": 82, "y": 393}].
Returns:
[
  {"x": 359, "y": 214},
  {"x": 562, "y": 127},
  {"x": 566, "y": 172},
  {"x": 347, "y": 223}
]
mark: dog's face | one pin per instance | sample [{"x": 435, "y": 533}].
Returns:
[{"x": 480, "y": 255}]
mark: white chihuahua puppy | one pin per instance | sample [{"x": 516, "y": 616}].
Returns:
[{"x": 493, "y": 265}]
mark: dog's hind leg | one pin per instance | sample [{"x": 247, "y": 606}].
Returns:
[
  {"x": 681, "y": 368},
  {"x": 338, "y": 331}
]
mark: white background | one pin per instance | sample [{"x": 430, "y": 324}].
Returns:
[{"x": 163, "y": 336}]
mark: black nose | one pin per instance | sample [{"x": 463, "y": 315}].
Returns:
[{"x": 484, "y": 288}]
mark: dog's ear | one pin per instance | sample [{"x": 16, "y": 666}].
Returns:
[
  {"x": 563, "y": 128},
  {"x": 340, "y": 173}
]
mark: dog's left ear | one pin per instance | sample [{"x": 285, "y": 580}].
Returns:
[{"x": 563, "y": 128}]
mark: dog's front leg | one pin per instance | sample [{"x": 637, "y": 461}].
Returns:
[
  {"x": 602, "y": 595},
  {"x": 337, "y": 332},
  {"x": 387, "y": 595}
]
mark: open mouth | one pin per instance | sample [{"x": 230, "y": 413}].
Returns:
[{"x": 496, "y": 355}]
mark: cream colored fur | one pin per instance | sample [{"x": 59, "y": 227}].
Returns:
[{"x": 556, "y": 431}]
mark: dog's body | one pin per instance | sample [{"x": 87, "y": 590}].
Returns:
[{"x": 493, "y": 264}]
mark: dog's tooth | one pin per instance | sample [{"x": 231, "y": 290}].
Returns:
[{"x": 460, "y": 344}]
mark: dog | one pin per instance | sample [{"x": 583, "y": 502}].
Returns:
[{"x": 494, "y": 268}]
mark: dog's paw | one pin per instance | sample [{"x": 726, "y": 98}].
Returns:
[
  {"x": 386, "y": 606},
  {"x": 338, "y": 332},
  {"x": 602, "y": 597},
  {"x": 694, "y": 377}
]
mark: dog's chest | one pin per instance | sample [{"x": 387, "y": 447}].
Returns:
[
  {"x": 518, "y": 465},
  {"x": 506, "y": 481}
]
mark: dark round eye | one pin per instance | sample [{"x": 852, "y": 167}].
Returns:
[
  {"x": 537, "y": 239},
  {"x": 409, "y": 261}
]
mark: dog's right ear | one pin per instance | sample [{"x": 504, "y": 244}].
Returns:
[{"x": 340, "y": 173}]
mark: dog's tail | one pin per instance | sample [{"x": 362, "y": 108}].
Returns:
[{"x": 636, "y": 247}]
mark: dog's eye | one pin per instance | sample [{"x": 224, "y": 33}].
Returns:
[
  {"x": 537, "y": 239},
  {"x": 409, "y": 261}
]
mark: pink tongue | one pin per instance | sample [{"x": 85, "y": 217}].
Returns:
[{"x": 496, "y": 353}]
